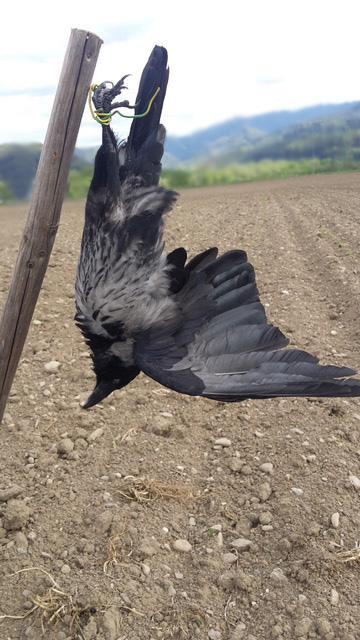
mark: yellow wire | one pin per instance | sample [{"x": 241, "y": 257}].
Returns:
[{"x": 105, "y": 118}]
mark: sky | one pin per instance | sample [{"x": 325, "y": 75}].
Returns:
[{"x": 226, "y": 58}]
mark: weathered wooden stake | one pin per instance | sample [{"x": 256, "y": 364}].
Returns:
[{"x": 44, "y": 212}]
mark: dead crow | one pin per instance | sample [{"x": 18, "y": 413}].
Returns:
[{"x": 197, "y": 327}]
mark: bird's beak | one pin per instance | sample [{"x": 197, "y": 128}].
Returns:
[{"x": 101, "y": 390}]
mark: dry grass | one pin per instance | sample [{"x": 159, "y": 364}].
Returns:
[
  {"x": 180, "y": 623},
  {"x": 145, "y": 490},
  {"x": 52, "y": 606},
  {"x": 118, "y": 551},
  {"x": 349, "y": 555}
]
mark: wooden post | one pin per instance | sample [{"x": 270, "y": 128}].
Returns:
[{"x": 45, "y": 206}]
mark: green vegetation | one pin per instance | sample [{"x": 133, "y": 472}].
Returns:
[
  {"x": 5, "y": 192},
  {"x": 79, "y": 181},
  {"x": 263, "y": 170},
  {"x": 232, "y": 174}
]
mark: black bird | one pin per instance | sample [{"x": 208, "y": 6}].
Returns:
[{"x": 197, "y": 327}]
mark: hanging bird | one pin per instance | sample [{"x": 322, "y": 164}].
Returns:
[{"x": 196, "y": 327}]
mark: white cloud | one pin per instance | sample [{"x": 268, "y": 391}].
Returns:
[{"x": 229, "y": 58}]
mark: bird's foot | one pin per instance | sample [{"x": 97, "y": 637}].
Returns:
[{"x": 106, "y": 92}]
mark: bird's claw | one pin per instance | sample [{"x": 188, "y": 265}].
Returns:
[{"x": 104, "y": 95}]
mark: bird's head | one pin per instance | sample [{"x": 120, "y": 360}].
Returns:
[{"x": 112, "y": 371}]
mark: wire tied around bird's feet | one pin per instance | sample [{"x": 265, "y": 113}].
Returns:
[{"x": 105, "y": 118}]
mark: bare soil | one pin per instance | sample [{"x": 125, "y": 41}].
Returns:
[{"x": 93, "y": 504}]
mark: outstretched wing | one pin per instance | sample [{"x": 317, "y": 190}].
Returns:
[{"x": 221, "y": 346}]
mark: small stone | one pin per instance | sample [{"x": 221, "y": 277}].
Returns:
[
  {"x": 335, "y": 520},
  {"x": 235, "y": 464},
  {"x": 65, "y": 569},
  {"x": 16, "y": 515},
  {"x": 181, "y": 545},
  {"x": 148, "y": 548},
  {"x": 229, "y": 558},
  {"x": 192, "y": 522},
  {"x": 65, "y": 446},
  {"x": 103, "y": 522},
  {"x": 21, "y": 542},
  {"x": 94, "y": 435},
  {"x": 145, "y": 568},
  {"x": 277, "y": 575},
  {"x": 239, "y": 632},
  {"x": 111, "y": 623},
  {"x": 161, "y": 426},
  {"x": 323, "y": 627},
  {"x": 52, "y": 366},
  {"x": 267, "y": 467},
  {"x": 297, "y": 491},
  {"x": 265, "y": 517},
  {"x": 214, "y": 634},
  {"x": 302, "y": 627},
  {"x": 241, "y": 544},
  {"x": 246, "y": 470},
  {"x": 171, "y": 591},
  {"x": 11, "y": 492},
  {"x": 264, "y": 491},
  {"x": 355, "y": 481},
  {"x": 334, "y": 597},
  {"x": 223, "y": 442}
]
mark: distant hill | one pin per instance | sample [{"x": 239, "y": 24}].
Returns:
[
  {"x": 330, "y": 131},
  {"x": 336, "y": 137},
  {"x": 231, "y": 136}
]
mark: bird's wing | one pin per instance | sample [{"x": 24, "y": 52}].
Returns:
[{"x": 221, "y": 346}]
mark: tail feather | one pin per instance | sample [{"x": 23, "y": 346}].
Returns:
[{"x": 145, "y": 144}]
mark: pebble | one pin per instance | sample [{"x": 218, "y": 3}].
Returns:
[
  {"x": 241, "y": 544},
  {"x": 302, "y": 627},
  {"x": 111, "y": 622},
  {"x": 103, "y": 522},
  {"x": 246, "y": 470},
  {"x": 335, "y": 520},
  {"x": 229, "y": 558},
  {"x": 278, "y": 575},
  {"x": 239, "y": 632},
  {"x": 192, "y": 522},
  {"x": 355, "y": 481},
  {"x": 181, "y": 545},
  {"x": 65, "y": 446},
  {"x": 235, "y": 464},
  {"x": 16, "y": 515},
  {"x": 297, "y": 491},
  {"x": 161, "y": 426},
  {"x": 264, "y": 491},
  {"x": 21, "y": 542},
  {"x": 145, "y": 568},
  {"x": 323, "y": 627},
  {"x": 11, "y": 492},
  {"x": 267, "y": 467},
  {"x": 65, "y": 569},
  {"x": 214, "y": 634},
  {"x": 265, "y": 517},
  {"x": 94, "y": 435},
  {"x": 223, "y": 442},
  {"x": 334, "y": 597},
  {"x": 52, "y": 366}
]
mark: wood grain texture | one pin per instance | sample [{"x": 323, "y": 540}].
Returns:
[{"x": 45, "y": 207}]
